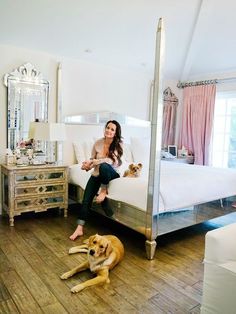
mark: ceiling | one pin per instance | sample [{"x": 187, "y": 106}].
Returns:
[{"x": 199, "y": 34}]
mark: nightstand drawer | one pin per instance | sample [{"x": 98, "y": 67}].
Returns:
[
  {"x": 39, "y": 189},
  {"x": 39, "y": 203},
  {"x": 37, "y": 176}
]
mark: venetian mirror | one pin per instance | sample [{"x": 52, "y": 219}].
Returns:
[{"x": 27, "y": 101}]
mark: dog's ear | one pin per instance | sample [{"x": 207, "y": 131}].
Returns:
[
  {"x": 108, "y": 249},
  {"x": 131, "y": 166},
  {"x": 91, "y": 238},
  {"x": 140, "y": 165}
]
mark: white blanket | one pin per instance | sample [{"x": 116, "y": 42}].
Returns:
[{"x": 181, "y": 186}]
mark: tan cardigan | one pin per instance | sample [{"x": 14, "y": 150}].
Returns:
[{"x": 98, "y": 157}]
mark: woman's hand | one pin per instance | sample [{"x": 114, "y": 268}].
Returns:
[{"x": 87, "y": 165}]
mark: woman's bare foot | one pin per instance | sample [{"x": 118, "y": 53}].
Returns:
[
  {"x": 101, "y": 196},
  {"x": 77, "y": 233}
]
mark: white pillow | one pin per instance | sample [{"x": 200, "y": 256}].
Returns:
[
  {"x": 79, "y": 151},
  {"x": 83, "y": 150},
  {"x": 140, "y": 148},
  {"x": 88, "y": 146},
  {"x": 127, "y": 154}
]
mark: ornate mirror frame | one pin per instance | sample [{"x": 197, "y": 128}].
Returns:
[
  {"x": 27, "y": 101},
  {"x": 170, "y": 102}
]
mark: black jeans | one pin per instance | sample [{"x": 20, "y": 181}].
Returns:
[{"x": 106, "y": 174}]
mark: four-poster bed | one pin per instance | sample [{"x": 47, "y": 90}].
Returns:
[
  {"x": 184, "y": 189},
  {"x": 147, "y": 210}
]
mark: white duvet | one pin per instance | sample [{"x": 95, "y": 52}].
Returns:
[{"x": 181, "y": 185}]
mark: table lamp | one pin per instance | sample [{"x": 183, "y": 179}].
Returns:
[{"x": 50, "y": 133}]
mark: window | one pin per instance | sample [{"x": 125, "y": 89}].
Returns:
[{"x": 224, "y": 131}]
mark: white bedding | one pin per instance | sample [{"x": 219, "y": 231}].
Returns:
[{"x": 182, "y": 185}]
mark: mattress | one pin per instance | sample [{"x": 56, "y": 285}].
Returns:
[{"x": 181, "y": 185}]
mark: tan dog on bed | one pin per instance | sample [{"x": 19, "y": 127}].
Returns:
[
  {"x": 103, "y": 254},
  {"x": 133, "y": 171}
]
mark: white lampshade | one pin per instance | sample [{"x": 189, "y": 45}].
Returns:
[{"x": 47, "y": 131}]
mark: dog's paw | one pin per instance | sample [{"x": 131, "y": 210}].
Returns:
[
  {"x": 73, "y": 250},
  {"x": 65, "y": 275},
  {"x": 77, "y": 288}
]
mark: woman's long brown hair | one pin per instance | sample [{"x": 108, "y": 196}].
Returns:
[{"x": 115, "y": 147}]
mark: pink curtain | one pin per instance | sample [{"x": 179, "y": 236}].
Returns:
[
  {"x": 169, "y": 118},
  {"x": 197, "y": 121}
]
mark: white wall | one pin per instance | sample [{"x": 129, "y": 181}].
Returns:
[{"x": 88, "y": 87}]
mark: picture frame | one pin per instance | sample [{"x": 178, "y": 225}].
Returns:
[{"x": 172, "y": 149}]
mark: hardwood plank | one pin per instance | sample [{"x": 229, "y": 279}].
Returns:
[
  {"x": 137, "y": 299},
  {"x": 117, "y": 303},
  {"x": 195, "y": 310},
  {"x": 55, "y": 308},
  {"x": 8, "y": 307},
  {"x": 19, "y": 293},
  {"x": 4, "y": 294},
  {"x": 167, "y": 305},
  {"x": 170, "y": 275},
  {"x": 139, "y": 283},
  {"x": 198, "y": 286},
  {"x": 164, "y": 264},
  {"x": 164, "y": 287},
  {"x": 33, "y": 282},
  {"x": 179, "y": 285},
  {"x": 5, "y": 264}
]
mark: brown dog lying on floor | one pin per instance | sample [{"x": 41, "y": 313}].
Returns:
[
  {"x": 133, "y": 171},
  {"x": 103, "y": 254}
]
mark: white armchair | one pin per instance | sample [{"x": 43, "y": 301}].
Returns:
[{"x": 219, "y": 284}]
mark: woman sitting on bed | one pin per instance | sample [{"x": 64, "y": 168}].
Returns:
[{"x": 105, "y": 160}]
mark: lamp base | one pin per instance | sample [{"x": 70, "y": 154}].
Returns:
[
  {"x": 50, "y": 162},
  {"x": 50, "y": 158}
]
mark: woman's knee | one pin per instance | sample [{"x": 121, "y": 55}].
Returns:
[
  {"x": 104, "y": 167},
  {"x": 105, "y": 171}
]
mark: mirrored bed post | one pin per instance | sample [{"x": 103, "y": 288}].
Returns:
[
  {"x": 59, "y": 144},
  {"x": 155, "y": 149}
]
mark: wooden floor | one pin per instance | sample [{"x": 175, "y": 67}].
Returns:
[{"x": 34, "y": 253}]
